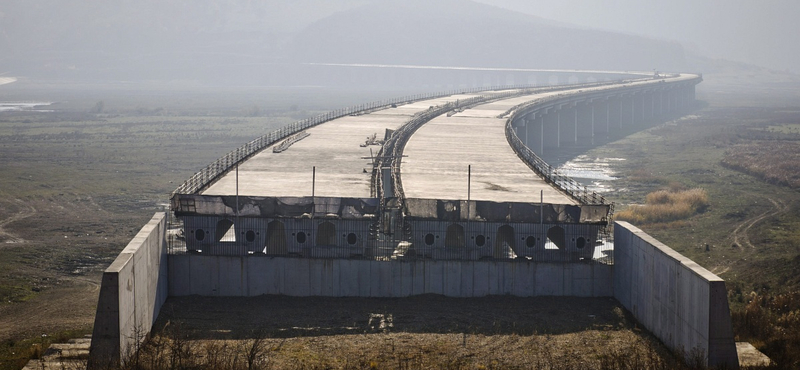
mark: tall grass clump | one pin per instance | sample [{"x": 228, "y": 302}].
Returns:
[
  {"x": 774, "y": 162},
  {"x": 666, "y": 206},
  {"x": 771, "y": 322}
]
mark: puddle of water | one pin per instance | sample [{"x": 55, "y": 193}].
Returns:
[
  {"x": 595, "y": 173},
  {"x": 7, "y": 106}
]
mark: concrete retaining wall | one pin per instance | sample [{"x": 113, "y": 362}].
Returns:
[
  {"x": 131, "y": 294},
  {"x": 681, "y": 303},
  {"x": 257, "y": 275}
]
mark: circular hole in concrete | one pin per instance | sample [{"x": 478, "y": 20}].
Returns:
[
  {"x": 480, "y": 240},
  {"x": 429, "y": 239},
  {"x": 351, "y": 238},
  {"x": 250, "y": 235},
  {"x": 530, "y": 241},
  {"x": 199, "y": 234},
  {"x": 580, "y": 243},
  {"x": 301, "y": 237}
]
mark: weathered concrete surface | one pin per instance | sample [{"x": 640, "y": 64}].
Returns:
[
  {"x": 681, "y": 303},
  {"x": 131, "y": 293},
  {"x": 438, "y": 154},
  {"x": 440, "y": 151},
  {"x": 257, "y": 275},
  {"x": 61, "y": 356},
  {"x": 333, "y": 148},
  {"x": 750, "y": 356}
]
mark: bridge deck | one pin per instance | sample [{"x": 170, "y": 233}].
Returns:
[
  {"x": 440, "y": 151},
  {"x": 435, "y": 166},
  {"x": 333, "y": 147}
]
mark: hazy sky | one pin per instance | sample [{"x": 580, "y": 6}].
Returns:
[{"x": 765, "y": 32}]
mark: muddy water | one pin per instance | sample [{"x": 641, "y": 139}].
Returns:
[
  {"x": 597, "y": 174},
  {"x": 23, "y": 106}
]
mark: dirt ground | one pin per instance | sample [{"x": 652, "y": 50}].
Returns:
[
  {"x": 283, "y": 316},
  {"x": 54, "y": 268},
  {"x": 427, "y": 331}
]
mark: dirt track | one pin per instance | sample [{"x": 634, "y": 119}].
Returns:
[
  {"x": 739, "y": 234},
  {"x": 71, "y": 306},
  {"x": 24, "y": 212}
]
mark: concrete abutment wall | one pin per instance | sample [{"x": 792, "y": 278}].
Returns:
[
  {"x": 257, "y": 275},
  {"x": 132, "y": 291},
  {"x": 681, "y": 303}
]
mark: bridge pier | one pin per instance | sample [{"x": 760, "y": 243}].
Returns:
[
  {"x": 558, "y": 127},
  {"x": 550, "y": 131},
  {"x": 652, "y": 105},
  {"x": 541, "y": 134},
  {"x": 570, "y": 126},
  {"x": 534, "y": 133},
  {"x": 586, "y": 123},
  {"x": 669, "y": 102}
]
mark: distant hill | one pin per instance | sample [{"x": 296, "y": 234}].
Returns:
[
  {"x": 149, "y": 39},
  {"x": 247, "y": 41},
  {"x": 465, "y": 33}
]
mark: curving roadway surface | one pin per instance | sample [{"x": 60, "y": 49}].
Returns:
[{"x": 437, "y": 155}]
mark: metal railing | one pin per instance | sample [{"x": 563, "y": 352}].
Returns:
[{"x": 568, "y": 185}]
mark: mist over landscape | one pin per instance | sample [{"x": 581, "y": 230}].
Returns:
[
  {"x": 108, "y": 106},
  {"x": 267, "y": 42}
]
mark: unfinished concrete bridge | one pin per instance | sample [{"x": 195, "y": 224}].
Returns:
[
  {"x": 439, "y": 193},
  {"x": 442, "y": 176}
]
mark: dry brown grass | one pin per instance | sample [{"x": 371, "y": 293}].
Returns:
[
  {"x": 776, "y": 162},
  {"x": 771, "y": 322},
  {"x": 587, "y": 350},
  {"x": 666, "y": 206},
  {"x": 420, "y": 332}
]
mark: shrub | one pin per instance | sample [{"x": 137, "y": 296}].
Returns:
[{"x": 666, "y": 206}]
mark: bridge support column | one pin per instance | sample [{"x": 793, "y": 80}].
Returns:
[
  {"x": 558, "y": 128},
  {"x": 644, "y": 117},
  {"x": 525, "y": 132},
  {"x": 653, "y": 105},
  {"x": 550, "y": 131},
  {"x": 576, "y": 124},
  {"x": 585, "y": 129},
  {"x": 592, "y": 106},
  {"x": 530, "y": 132},
  {"x": 670, "y": 104},
  {"x": 687, "y": 97},
  {"x": 541, "y": 135}
]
